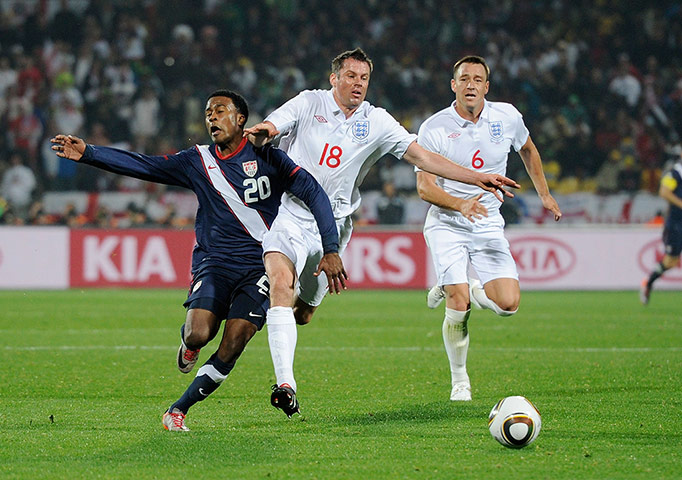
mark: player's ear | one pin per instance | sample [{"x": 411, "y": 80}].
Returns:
[
  {"x": 241, "y": 120},
  {"x": 332, "y": 79}
]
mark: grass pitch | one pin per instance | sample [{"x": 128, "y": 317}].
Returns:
[{"x": 87, "y": 374}]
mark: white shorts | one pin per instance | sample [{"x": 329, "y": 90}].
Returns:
[
  {"x": 454, "y": 246},
  {"x": 300, "y": 241}
]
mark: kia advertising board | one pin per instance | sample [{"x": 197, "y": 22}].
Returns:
[
  {"x": 560, "y": 258},
  {"x": 131, "y": 258}
]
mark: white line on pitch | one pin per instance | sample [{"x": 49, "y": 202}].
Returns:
[{"x": 357, "y": 348}]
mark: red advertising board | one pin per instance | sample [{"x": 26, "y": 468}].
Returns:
[
  {"x": 382, "y": 259},
  {"x": 131, "y": 258}
]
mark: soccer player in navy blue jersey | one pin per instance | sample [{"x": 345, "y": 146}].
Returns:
[
  {"x": 671, "y": 191},
  {"x": 239, "y": 189}
]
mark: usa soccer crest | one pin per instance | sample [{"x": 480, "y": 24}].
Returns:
[
  {"x": 360, "y": 130},
  {"x": 250, "y": 168},
  {"x": 496, "y": 131}
]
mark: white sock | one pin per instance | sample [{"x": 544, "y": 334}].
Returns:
[
  {"x": 456, "y": 339},
  {"x": 479, "y": 298},
  {"x": 282, "y": 336}
]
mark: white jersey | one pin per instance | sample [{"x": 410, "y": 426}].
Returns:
[
  {"x": 336, "y": 150},
  {"x": 482, "y": 146}
]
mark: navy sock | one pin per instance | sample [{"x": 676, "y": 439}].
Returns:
[
  {"x": 655, "y": 274},
  {"x": 208, "y": 379}
]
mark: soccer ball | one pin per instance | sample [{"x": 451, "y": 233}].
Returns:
[{"x": 514, "y": 422}]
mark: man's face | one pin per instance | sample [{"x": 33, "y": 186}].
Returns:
[
  {"x": 351, "y": 83},
  {"x": 223, "y": 121},
  {"x": 470, "y": 85}
]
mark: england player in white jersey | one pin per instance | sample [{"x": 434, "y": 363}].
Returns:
[
  {"x": 337, "y": 136},
  {"x": 478, "y": 134}
]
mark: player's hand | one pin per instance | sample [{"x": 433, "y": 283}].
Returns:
[
  {"x": 472, "y": 209},
  {"x": 68, "y": 146},
  {"x": 332, "y": 266},
  {"x": 550, "y": 204},
  {"x": 261, "y": 133},
  {"x": 494, "y": 183}
]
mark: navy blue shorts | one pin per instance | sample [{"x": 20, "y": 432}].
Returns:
[
  {"x": 672, "y": 239},
  {"x": 231, "y": 294}
]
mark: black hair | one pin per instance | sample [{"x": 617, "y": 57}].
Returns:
[{"x": 238, "y": 100}]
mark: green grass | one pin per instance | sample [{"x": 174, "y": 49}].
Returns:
[{"x": 87, "y": 374}]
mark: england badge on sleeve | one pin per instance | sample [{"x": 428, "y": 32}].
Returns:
[
  {"x": 250, "y": 168},
  {"x": 496, "y": 131}
]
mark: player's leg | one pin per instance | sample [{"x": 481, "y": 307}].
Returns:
[
  {"x": 501, "y": 295},
  {"x": 200, "y": 327},
  {"x": 672, "y": 241},
  {"x": 312, "y": 289},
  {"x": 495, "y": 266},
  {"x": 210, "y": 376},
  {"x": 449, "y": 252},
  {"x": 246, "y": 316},
  {"x": 174, "y": 418},
  {"x": 456, "y": 338},
  {"x": 282, "y": 333},
  {"x": 303, "y": 312}
]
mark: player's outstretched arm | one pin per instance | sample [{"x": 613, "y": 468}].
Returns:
[
  {"x": 68, "y": 146},
  {"x": 441, "y": 166},
  {"x": 429, "y": 191},
  {"x": 261, "y": 133},
  {"x": 533, "y": 163},
  {"x": 332, "y": 265}
]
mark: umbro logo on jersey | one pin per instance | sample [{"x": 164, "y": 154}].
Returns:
[
  {"x": 320, "y": 119},
  {"x": 454, "y": 135},
  {"x": 250, "y": 168}
]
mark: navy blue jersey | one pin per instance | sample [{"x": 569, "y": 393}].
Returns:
[
  {"x": 239, "y": 195},
  {"x": 673, "y": 181}
]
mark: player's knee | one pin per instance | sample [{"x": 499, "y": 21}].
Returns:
[
  {"x": 508, "y": 305},
  {"x": 196, "y": 337},
  {"x": 669, "y": 262},
  {"x": 303, "y": 314}
]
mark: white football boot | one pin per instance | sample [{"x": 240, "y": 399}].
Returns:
[
  {"x": 435, "y": 296},
  {"x": 174, "y": 421},
  {"x": 461, "y": 392}
]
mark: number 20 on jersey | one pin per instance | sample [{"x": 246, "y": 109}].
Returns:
[{"x": 331, "y": 156}]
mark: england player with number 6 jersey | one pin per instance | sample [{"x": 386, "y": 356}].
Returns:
[
  {"x": 337, "y": 136},
  {"x": 478, "y": 134},
  {"x": 239, "y": 188}
]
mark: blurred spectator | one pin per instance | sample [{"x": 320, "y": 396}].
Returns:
[
  {"x": 73, "y": 64},
  {"x": 625, "y": 84},
  {"x": 18, "y": 183},
  {"x": 390, "y": 207},
  {"x": 145, "y": 118}
]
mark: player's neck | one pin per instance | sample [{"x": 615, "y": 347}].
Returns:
[
  {"x": 347, "y": 111},
  {"x": 228, "y": 148},
  {"x": 471, "y": 114}
]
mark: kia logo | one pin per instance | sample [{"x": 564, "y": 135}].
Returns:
[
  {"x": 540, "y": 259},
  {"x": 650, "y": 255}
]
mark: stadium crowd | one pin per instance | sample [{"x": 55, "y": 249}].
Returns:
[{"x": 599, "y": 82}]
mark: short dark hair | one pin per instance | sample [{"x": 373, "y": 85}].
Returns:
[
  {"x": 357, "y": 54},
  {"x": 471, "y": 59},
  {"x": 238, "y": 100}
]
